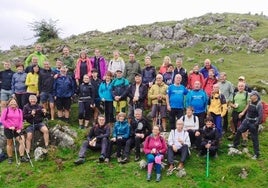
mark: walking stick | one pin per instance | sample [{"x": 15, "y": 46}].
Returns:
[
  {"x": 15, "y": 148},
  {"x": 207, "y": 167},
  {"x": 27, "y": 153}
]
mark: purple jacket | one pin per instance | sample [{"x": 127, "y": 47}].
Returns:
[{"x": 102, "y": 65}]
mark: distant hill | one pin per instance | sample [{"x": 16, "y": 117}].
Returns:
[{"x": 236, "y": 43}]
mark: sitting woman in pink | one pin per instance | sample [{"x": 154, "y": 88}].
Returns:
[{"x": 155, "y": 148}]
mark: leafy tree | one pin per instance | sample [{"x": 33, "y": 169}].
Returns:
[{"x": 45, "y": 30}]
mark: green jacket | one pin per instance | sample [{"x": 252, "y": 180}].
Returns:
[{"x": 41, "y": 58}]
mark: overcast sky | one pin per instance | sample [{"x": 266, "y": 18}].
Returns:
[{"x": 79, "y": 16}]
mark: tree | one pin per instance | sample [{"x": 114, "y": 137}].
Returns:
[{"x": 45, "y": 30}]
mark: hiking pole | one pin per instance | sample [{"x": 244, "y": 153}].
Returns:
[
  {"x": 207, "y": 167},
  {"x": 15, "y": 148},
  {"x": 27, "y": 153}
]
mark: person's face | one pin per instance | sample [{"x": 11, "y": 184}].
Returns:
[
  {"x": 108, "y": 78},
  {"x": 7, "y": 65},
  {"x": 211, "y": 74},
  {"x": 58, "y": 64},
  {"x": 131, "y": 57},
  {"x": 253, "y": 98},
  {"x": 63, "y": 70},
  {"x": 86, "y": 79},
  {"x": 222, "y": 77},
  {"x": 241, "y": 87},
  {"x": 66, "y": 51},
  {"x": 179, "y": 126},
  {"x": 179, "y": 63},
  {"x": 97, "y": 53},
  {"x": 32, "y": 100},
  {"x": 116, "y": 55},
  {"x": 34, "y": 61},
  {"x": 101, "y": 121},
  {"x": 83, "y": 55},
  {"x": 156, "y": 131},
  {"x": 94, "y": 74},
  {"x": 121, "y": 118},
  {"x": 46, "y": 65},
  {"x": 189, "y": 112},
  {"x": 209, "y": 124},
  {"x": 147, "y": 61},
  {"x": 13, "y": 103},
  {"x": 35, "y": 68},
  {"x": 38, "y": 48},
  {"x": 177, "y": 79},
  {"x": 170, "y": 69},
  {"x": 216, "y": 88},
  {"x": 20, "y": 68},
  {"x": 138, "y": 79},
  {"x": 119, "y": 74},
  {"x": 138, "y": 115},
  {"x": 197, "y": 85},
  {"x": 196, "y": 69},
  {"x": 166, "y": 61},
  {"x": 159, "y": 80},
  {"x": 207, "y": 63}
]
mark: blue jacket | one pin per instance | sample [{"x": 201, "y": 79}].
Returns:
[
  {"x": 6, "y": 79},
  {"x": 120, "y": 87},
  {"x": 64, "y": 86},
  {"x": 105, "y": 91},
  {"x": 121, "y": 129},
  {"x": 204, "y": 71},
  {"x": 198, "y": 99},
  {"x": 18, "y": 82}
]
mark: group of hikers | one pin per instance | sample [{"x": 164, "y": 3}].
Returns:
[{"x": 193, "y": 106}]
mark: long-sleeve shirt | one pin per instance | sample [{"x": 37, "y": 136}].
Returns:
[
  {"x": 191, "y": 122},
  {"x": 12, "y": 118},
  {"x": 32, "y": 82},
  {"x": 175, "y": 136}
]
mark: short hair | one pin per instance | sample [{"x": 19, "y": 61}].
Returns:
[
  {"x": 138, "y": 110},
  {"x": 19, "y": 64},
  {"x": 32, "y": 97}
]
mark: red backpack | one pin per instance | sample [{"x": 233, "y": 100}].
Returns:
[{"x": 264, "y": 111}]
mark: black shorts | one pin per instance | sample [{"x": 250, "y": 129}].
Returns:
[
  {"x": 63, "y": 103},
  {"x": 10, "y": 133},
  {"x": 34, "y": 127}
]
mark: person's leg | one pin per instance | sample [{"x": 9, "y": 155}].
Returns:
[
  {"x": 83, "y": 149},
  {"x": 21, "y": 141},
  {"x": 138, "y": 141},
  {"x": 44, "y": 130},
  {"x": 184, "y": 153},
  {"x": 28, "y": 141},
  {"x": 128, "y": 147},
  {"x": 253, "y": 129},
  {"x": 170, "y": 156},
  {"x": 150, "y": 164},
  {"x": 52, "y": 110},
  {"x": 172, "y": 118},
  {"x": 88, "y": 110},
  {"x": 243, "y": 128},
  {"x": 104, "y": 146},
  {"x": 9, "y": 147}
]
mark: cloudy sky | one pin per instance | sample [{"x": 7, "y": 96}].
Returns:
[{"x": 79, "y": 16}]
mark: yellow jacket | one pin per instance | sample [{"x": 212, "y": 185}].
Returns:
[
  {"x": 217, "y": 104},
  {"x": 156, "y": 90},
  {"x": 32, "y": 83}
]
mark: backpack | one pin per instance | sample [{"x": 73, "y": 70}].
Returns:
[
  {"x": 264, "y": 111},
  {"x": 183, "y": 118},
  {"x": 3, "y": 156}
]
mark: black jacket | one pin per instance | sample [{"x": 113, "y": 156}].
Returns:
[
  {"x": 140, "y": 126},
  {"x": 143, "y": 91},
  {"x": 46, "y": 81},
  {"x": 98, "y": 132},
  {"x": 27, "y": 113},
  {"x": 6, "y": 79}
]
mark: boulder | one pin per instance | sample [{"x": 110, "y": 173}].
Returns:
[{"x": 62, "y": 136}]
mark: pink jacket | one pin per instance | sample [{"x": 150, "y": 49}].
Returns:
[
  {"x": 77, "y": 68},
  {"x": 12, "y": 118},
  {"x": 158, "y": 143}
]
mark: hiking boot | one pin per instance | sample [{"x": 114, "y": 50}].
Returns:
[
  {"x": 158, "y": 177},
  {"x": 255, "y": 157},
  {"x": 232, "y": 146},
  {"x": 81, "y": 127},
  {"x": 106, "y": 160},
  {"x": 101, "y": 158},
  {"x": 230, "y": 137},
  {"x": 170, "y": 170},
  {"x": 124, "y": 160},
  {"x": 79, "y": 161},
  {"x": 244, "y": 143},
  {"x": 24, "y": 159},
  {"x": 10, "y": 160},
  {"x": 148, "y": 177},
  {"x": 137, "y": 158},
  {"x": 119, "y": 159}
]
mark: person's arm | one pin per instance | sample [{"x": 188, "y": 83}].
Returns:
[
  {"x": 260, "y": 113},
  {"x": 146, "y": 148},
  {"x": 187, "y": 139}
]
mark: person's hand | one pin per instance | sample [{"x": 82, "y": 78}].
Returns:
[
  {"x": 240, "y": 115},
  {"x": 180, "y": 141},
  {"x": 44, "y": 110},
  {"x": 174, "y": 148},
  {"x": 33, "y": 112},
  {"x": 168, "y": 107},
  {"x": 150, "y": 84},
  {"x": 12, "y": 128},
  {"x": 197, "y": 133},
  {"x": 153, "y": 151},
  {"x": 19, "y": 131},
  {"x": 103, "y": 99},
  {"x": 113, "y": 139},
  {"x": 208, "y": 145}
]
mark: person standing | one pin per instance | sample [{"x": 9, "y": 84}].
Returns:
[
  {"x": 182, "y": 71},
  {"x": 37, "y": 53},
  {"x": 251, "y": 122},
  {"x": 99, "y": 63},
  {"x": 207, "y": 66},
  {"x": 68, "y": 61},
  {"x": 116, "y": 63},
  {"x": 175, "y": 100},
  {"x": 12, "y": 120},
  {"x": 131, "y": 68},
  {"x": 83, "y": 66}
]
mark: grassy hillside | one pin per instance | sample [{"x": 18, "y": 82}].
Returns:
[{"x": 223, "y": 171}]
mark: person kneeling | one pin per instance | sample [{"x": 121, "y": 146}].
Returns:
[
  {"x": 97, "y": 139},
  {"x": 178, "y": 143}
]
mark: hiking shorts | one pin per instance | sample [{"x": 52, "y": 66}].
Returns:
[{"x": 5, "y": 94}]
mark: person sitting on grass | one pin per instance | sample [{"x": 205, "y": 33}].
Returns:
[
  {"x": 178, "y": 143},
  {"x": 155, "y": 148},
  {"x": 139, "y": 130},
  {"x": 97, "y": 138},
  {"x": 210, "y": 138},
  {"x": 34, "y": 114},
  {"x": 12, "y": 119},
  {"x": 119, "y": 137}
]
